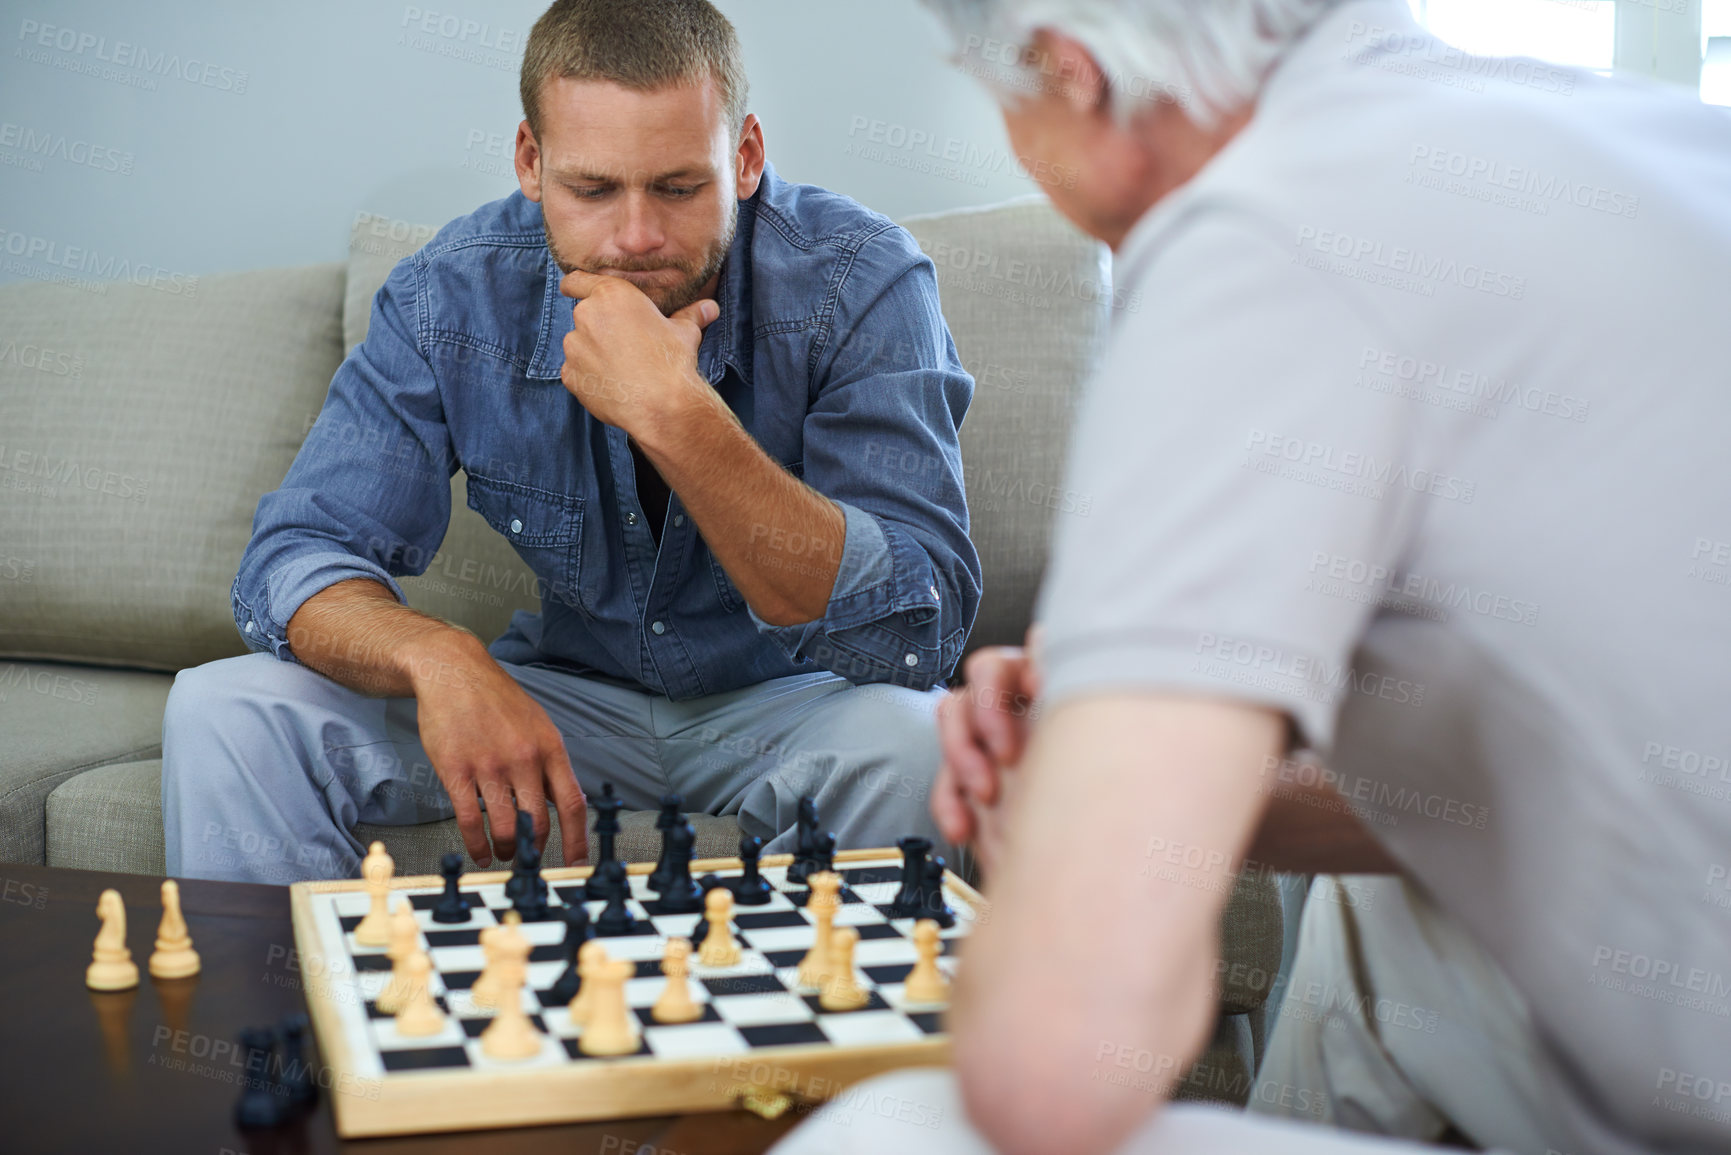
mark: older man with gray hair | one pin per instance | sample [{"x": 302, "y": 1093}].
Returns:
[{"x": 1409, "y": 547}]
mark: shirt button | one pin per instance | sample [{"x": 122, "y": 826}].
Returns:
[
  {"x": 679, "y": 519},
  {"x": 912, "y": 659},
  {"x": 935, "y": 596},
  {"x": 658, "y": 626},
  {"x": 516, "y": 526},
  {"x": 630, "y": 519},
  {"x": 249, "y": 627}
]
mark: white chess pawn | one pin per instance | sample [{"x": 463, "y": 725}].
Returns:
[
  {"x": 841, "y": 991},
  {"x": 720, "y": 949},
  {"x": 173, "y": 957},
  {"x": 405, "y": 939},
  {"x": 111, "y": 967},
  {"x": 420, "y": 1015},
  {"x": 926, "y": 983},
  {"x": 611, "y": 1029},
  {"x": 376, "y": 870},
  {"x": 485, "y": 992},
  {"x": 591, "y": 956},
  {"x": 676, "y": 1004}
]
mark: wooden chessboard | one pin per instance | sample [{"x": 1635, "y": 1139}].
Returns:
[{"x": 760, "y": 1035}]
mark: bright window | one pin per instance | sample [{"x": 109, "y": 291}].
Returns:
[
  {"x": 1716, "y": 51},
  {"x": 1582, "y": 33}
]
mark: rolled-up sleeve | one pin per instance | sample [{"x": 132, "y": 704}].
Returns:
[
  {"x": 882, "y": 441},
  {"x": 368, "y": 495}
]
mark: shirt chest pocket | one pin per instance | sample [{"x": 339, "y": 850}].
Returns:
[{"x": 545, "y": 528}]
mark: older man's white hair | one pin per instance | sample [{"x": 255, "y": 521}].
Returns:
[{"x": 1210, "y": 56}]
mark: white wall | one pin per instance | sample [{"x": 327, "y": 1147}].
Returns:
[{"x": 202, "y": 136}]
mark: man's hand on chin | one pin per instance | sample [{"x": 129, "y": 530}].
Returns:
[{"x": 630, "y": 366}]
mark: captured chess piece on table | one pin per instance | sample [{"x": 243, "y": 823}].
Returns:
[
  {"x": 111, "y": 966},
  {"x": 173, "y": 957}
]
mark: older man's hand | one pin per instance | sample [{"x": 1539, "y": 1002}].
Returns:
[{"x": 983, "y": 729}]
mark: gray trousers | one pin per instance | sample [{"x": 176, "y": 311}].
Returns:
[{"x": 267, "y": 765}]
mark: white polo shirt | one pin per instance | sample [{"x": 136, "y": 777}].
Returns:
[{"x": 1421, "y": 432}]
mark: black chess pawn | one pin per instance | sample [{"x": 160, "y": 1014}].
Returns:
[
  {"x": 910, "y": 897},
  {"x": 577, "y": 932},
  {"x": 263, "y": 1101},
  {"x": 672, "y": 810},
  {"x": 452, "y": 906},
  {"x": 933, "y": 905},
  {"x": 531, "y": 899},
  {"x": 681, "y": 895},
  {"x": 615, "y": 918},
  {"x": 805, "y": 843},
  {"x": 297, "y": 1074},
  {"x": 750, "y": 888}
]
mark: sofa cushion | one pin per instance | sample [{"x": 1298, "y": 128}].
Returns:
[
  {"x": 127, "y": 488},
  {"x": 111, "y": 819},
  {"x": 1026, "y": 295},
  {"x": 59, "y": 720},
  {"x": 475, "y": 578}
]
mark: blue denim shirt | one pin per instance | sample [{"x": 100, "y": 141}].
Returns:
[{"x": 830, "y": 348}]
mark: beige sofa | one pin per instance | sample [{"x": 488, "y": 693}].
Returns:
[{"x": 139, "y": 426}]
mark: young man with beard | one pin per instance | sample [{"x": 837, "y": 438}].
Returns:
[{"x": 673, "y": 381}]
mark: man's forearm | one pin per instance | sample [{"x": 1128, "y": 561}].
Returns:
[
  {"x": 777, "y": 538},
  {"x": 356, "y": 632}
]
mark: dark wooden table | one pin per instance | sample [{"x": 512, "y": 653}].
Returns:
[{"x": 154, "y": 1069}]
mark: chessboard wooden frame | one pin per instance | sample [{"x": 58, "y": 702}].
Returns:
[{"x": 467, "y": 1099}]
